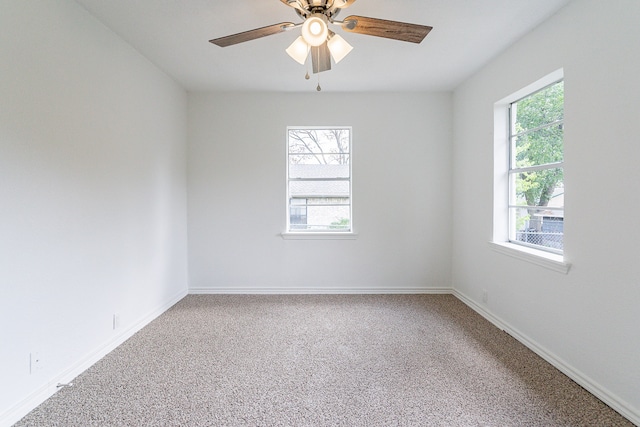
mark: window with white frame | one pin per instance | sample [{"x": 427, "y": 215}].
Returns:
[
  {"x": 536, "y": 172},
  {"x": 319, "y": 179}
]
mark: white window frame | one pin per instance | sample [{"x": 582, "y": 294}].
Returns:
[
  {"x": 319, "y": 234},
  {"x": 501, "y": 241}
]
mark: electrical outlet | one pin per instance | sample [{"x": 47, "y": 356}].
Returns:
[
  {"x": 116, "y": 321},
  {"x": 35, "y": 363},
  {"x": 485, "y": 296}
]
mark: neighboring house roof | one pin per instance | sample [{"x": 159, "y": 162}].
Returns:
[
  {"x": 319, "y": 171},
  {"x": 319, "y": 188}
]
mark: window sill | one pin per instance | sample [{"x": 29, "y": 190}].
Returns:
[
  {"x": 318, "y": 236},
  {"x": 543, "y": 259}
]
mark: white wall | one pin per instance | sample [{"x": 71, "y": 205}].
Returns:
[
  {"x": 92, "y": 194},
  {"x": 401, "y": 193},
  {"x": 93, "y": 189},
  {"x": 585, "y": 321}
]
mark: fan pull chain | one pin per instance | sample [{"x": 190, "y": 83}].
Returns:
[{"x": 318, "y": 88}]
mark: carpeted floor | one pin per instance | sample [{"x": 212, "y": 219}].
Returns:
[{"x": 322, "y": 360}]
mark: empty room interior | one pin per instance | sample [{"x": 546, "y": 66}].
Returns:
[{"x": 142, "y": 166}]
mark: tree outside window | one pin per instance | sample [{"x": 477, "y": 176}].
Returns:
[{"x": 536, "y": 169}]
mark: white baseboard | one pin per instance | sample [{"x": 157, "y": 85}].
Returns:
[
  {"x": 581, "y": 379},
  {"x": 21, "y": 409},
  {"x": 312, "y": 291}
]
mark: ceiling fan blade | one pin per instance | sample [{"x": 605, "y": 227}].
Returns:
[
  {"x": 389, "y": 29},
  {"x": 252, "y": 34},
  {"x": 321, "y": 58}
]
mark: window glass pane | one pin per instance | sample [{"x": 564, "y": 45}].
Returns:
[
  {"x": 319, "y": 214},
  {"x": 328, "y": 218},
  {"x": 540, "y": 108},
  {"x": 539, "y": 147},
  {"x": 539, "y": 188},
  {"x": 327, "y": 145},
  {"x": 539, "y": 226}
]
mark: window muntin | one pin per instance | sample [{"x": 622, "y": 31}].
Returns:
[
  {"x": 536, "y": 173},
  {"x": 319, "y": 179}
]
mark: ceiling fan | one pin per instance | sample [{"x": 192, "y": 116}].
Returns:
[{"x": 318, "y": 39}]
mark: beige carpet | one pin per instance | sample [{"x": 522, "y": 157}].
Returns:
[{"x": 322, "y": 360}]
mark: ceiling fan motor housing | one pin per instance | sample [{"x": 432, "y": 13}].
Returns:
[{"x": 305, "y": 8}]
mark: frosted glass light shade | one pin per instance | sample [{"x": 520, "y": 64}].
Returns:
[
  {"x": 299, "y": 50},
  {"x": 315, "y": 30},
  {"x": 338, "y": 47}
]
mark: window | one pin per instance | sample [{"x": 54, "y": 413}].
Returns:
[
  {"x": 528, "y": 186},
  {"x": 319, "y": 180},
  {"x": 536, "y": 185}
]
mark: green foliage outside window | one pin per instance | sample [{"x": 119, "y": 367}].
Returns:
[
  {"x": 341, "y": 224},
  {"x": 539, "y": 128}
]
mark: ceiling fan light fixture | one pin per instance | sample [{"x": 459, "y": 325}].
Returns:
[
  {"x": 338, "y": 47},
  {"x": 299, "y": 50},
  {"x": 317, "y": 41},
  {"x": 315, "y": 29}
]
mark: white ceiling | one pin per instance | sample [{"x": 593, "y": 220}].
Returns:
[{"x": 174, "y": 35}]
